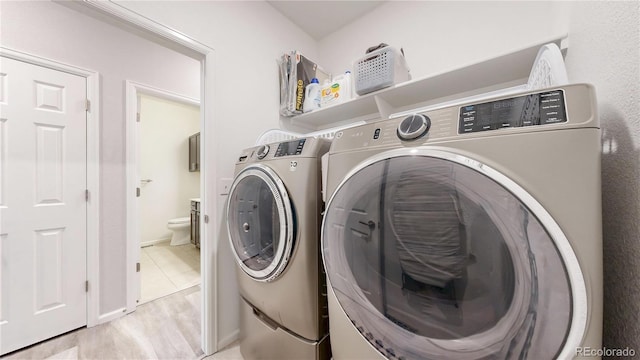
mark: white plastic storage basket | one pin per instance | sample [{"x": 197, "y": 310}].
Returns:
[{"x": 379, "y": 69}]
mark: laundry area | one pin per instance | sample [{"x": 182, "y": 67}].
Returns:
[{"x": 319, "y": 180}]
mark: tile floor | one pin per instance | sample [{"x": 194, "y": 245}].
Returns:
[{"x": 165, "y": 269}]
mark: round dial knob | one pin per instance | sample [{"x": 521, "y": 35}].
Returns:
[
  {"x": 262, "y": 151},
  {"x": 413, "y": 127}
]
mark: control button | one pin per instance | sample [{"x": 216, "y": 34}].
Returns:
[
  {"x": 263, "y": 151},
  {"x": 413, "y": 127},
  {"x": 376, "y": 134}
]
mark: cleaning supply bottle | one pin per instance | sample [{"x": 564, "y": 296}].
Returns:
[
  {"x": 337, "y": 91},
  {"x": 348, "y": 85},
  {"x": 311, "y": 96},
  {"x": 325, "y": 93},
  {"x": 345, "y": 84},
  {"x": 324, "y": 89}
]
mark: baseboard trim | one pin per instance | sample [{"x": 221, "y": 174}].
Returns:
[
  {"x": 228, "y": 340},
  {"x": 104, "y": 318},
  {"x": 154, "y": 242}
]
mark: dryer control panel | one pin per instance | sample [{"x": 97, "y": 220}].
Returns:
[
  {"x": 570, "y": 106},
  {"x": 535, "y": 109}
]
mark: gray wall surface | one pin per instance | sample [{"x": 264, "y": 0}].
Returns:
[{"x": 604, "y": 49}]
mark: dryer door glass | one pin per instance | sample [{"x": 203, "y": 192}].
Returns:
[
  {"x": 430, "y": 258},
  {"x": 259, "y": 220}
]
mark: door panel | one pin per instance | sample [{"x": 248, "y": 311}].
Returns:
[
  {"x": 4, "y": 282},
  {"x": 49, "y": 164},
  {"x": 42, "y": 203},
  {"x": 3, "y": 154}
]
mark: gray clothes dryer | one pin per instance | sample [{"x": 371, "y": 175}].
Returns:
[
  {"x": 273, "y": 218},
  {"x": 468, "y": 232}
]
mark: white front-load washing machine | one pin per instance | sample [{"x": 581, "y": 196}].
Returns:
[
  {"x": 273, "y": 218},
  {"x": 468, "y": 232}
]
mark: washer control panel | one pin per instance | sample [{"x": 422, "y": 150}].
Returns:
[
  {"x": 535, "y": 109},
  {"x": 262, "y": 151},
  {"x": 288, "y": 148}
]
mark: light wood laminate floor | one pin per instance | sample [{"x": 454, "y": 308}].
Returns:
[{"x": 167, "y": 328}]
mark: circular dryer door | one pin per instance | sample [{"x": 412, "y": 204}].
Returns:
[
  {"x": 434, "y": 255},
  {"x": 260, "y": 222}
]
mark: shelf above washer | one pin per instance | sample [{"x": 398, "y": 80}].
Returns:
[{"x": 504, "y": 71}]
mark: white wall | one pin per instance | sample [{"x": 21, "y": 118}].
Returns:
[
  {"x": 248, "y": 37},
  {"x": 604, "y": 49},
  {"x": 50, "y": 30},
  {"x": 165, "y": 127},
  {"x": 441, "y": 35}
]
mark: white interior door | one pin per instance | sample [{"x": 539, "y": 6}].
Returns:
[{"x": 43, "y": 211}]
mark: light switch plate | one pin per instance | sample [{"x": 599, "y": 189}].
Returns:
[{"x": 224, "y": 185}]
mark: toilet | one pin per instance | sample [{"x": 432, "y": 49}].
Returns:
[{"x": 181, "y": 228}]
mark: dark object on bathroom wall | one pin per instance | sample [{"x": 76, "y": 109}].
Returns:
[
  {"x": 194, "y": 152},
  {"x": 195, "y": 223}
]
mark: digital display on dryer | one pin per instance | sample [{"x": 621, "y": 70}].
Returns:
[
  {"x": 290, "y": 148},
  {"x": 535, "y": 109}
]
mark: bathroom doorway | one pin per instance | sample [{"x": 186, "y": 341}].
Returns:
[
  {"x": 167, "y": 193},
  {"x": 169, "y": 190}
]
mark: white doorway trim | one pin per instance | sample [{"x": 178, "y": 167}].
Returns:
[
  {"x": 93, "y": 170},
  {"x": 208, "y": 165},
  {"x": 132, "y": 109}
]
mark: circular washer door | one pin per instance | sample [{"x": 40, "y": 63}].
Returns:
[
  {"x": 260, "y": 222},
  {"x": 434, "y": 255}
]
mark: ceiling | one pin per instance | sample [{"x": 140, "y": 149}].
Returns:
[{"x": 321, "y": 18}]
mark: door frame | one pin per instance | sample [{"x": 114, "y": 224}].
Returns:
[
  {"x": 132, "y": 134},
  {"x": 92, "y": 168},
  {"x": 209, "y": 187}
]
